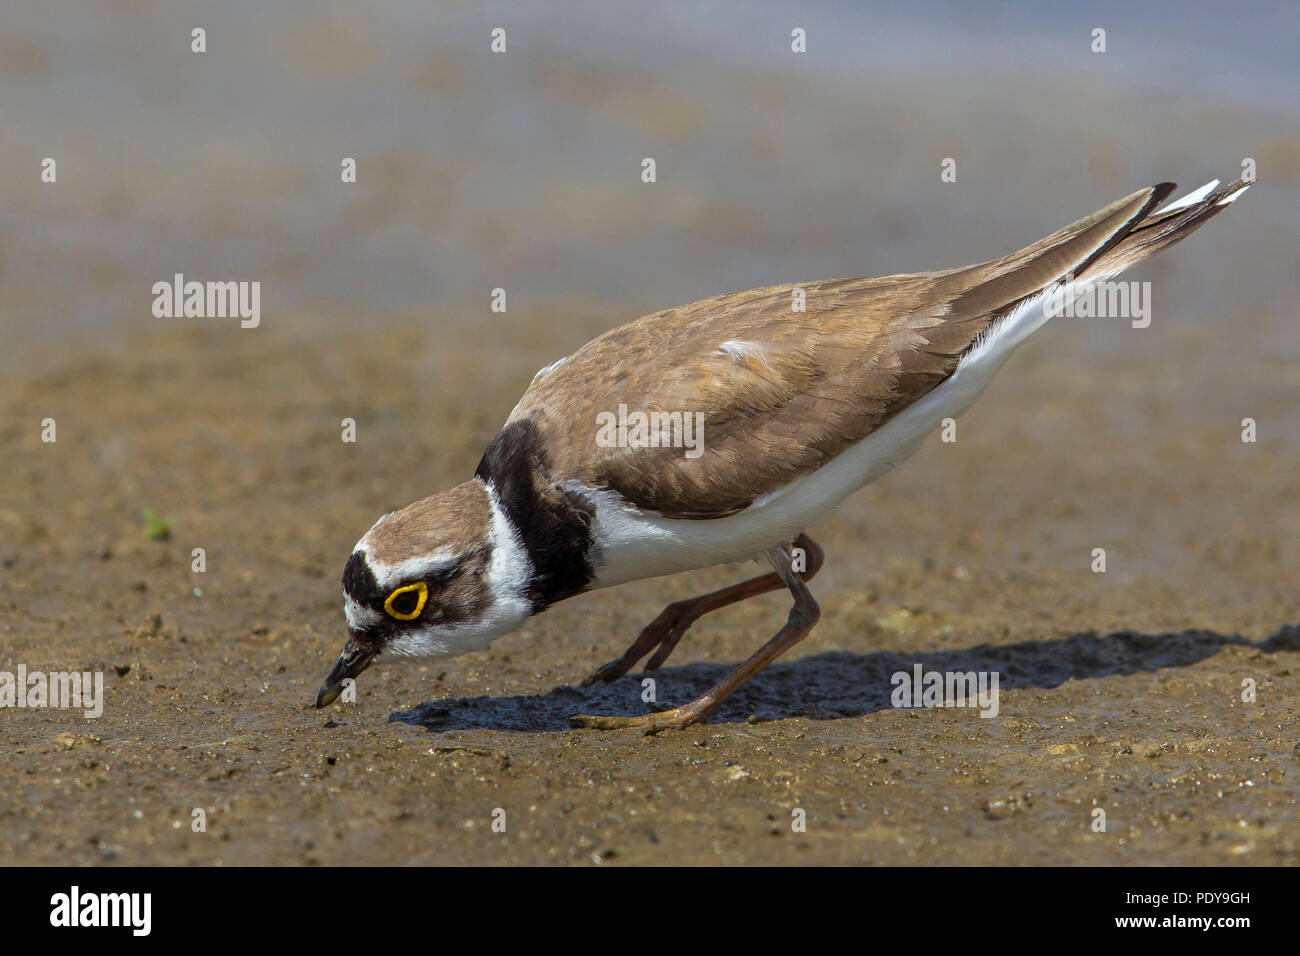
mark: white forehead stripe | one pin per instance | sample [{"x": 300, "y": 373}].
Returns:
[{"x": 389, "y": 576}]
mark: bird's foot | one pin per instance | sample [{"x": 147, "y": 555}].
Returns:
[
  {"x": 675, "y": 719},
  {"x": 663, "y": 633}
]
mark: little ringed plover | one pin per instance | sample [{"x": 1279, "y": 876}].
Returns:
[{"x": 792, "y": 412}]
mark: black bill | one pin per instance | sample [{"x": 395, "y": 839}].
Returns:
[{"x": 351, "y": 662}]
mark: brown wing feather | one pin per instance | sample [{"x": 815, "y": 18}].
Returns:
[{"x": 797, "y": 388}]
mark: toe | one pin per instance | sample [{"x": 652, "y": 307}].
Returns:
[
  {"x": 601, "y": 723},
  {"x": 676, "y": 719},
  {"x": 606, "y": 673}
]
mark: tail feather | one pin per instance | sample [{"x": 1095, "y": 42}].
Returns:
[
  {"x": 1094, "y": 249},
  {"x": 979, "y": 296},
  {"x": 1163, "y": 228}
]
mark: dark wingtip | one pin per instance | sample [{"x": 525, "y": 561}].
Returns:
[{"x": 1160, "y": 192}]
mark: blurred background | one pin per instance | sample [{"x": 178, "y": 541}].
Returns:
[{"x": 522, "y": 170}]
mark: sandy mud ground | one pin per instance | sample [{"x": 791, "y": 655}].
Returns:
[{"x": 1120, "y": 691}]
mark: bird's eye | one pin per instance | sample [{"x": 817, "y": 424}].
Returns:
[{"x": 407, "y": 602}]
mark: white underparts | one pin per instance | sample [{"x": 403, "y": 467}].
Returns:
[{"x": 631, "y": 544}]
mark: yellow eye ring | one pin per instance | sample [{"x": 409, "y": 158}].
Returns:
[{"x": 420, "y": 588}]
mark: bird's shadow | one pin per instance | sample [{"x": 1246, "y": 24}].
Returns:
[{"x": 840, "y": 684}]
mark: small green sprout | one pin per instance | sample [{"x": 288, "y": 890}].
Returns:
[{"x": 157, "y": 528}]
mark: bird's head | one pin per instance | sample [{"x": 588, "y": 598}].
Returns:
[{"x": 442, "y": 576}]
